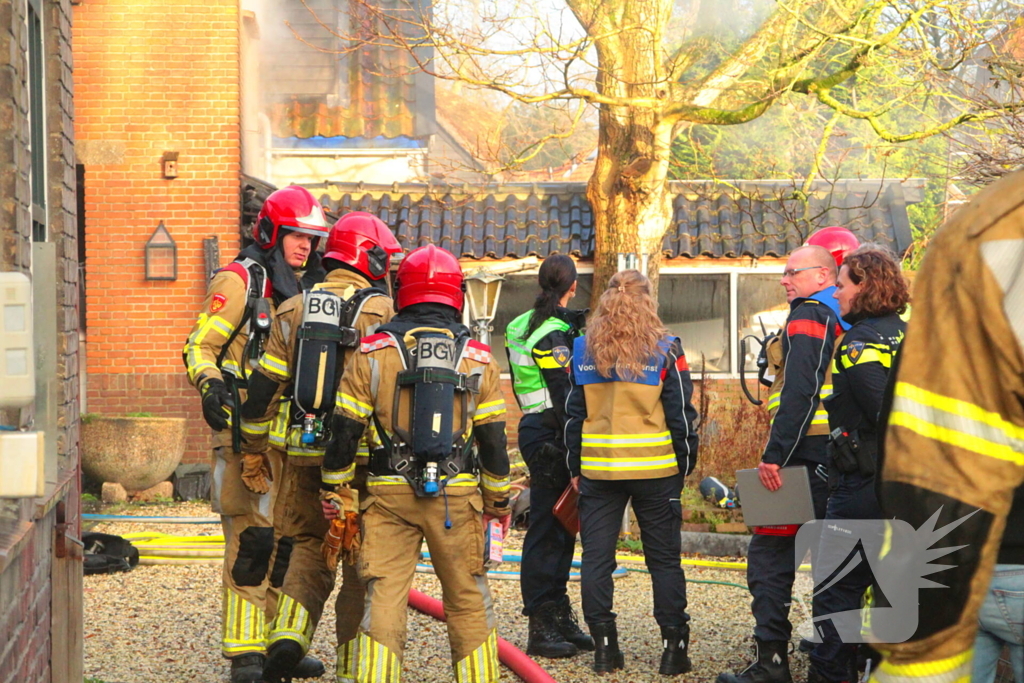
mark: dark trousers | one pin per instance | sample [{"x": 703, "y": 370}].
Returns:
[
  {"x": 547, "y": 552},
  {"x": 852, "y": 499},
  {"x": 771, "y": 568},
  {"x": 659, "y": 513}
]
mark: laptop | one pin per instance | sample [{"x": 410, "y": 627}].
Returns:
[{"x": 791, "y": 504}]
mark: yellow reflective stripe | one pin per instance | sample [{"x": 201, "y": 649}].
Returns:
[
  {"x": 774, "y": 399},
  {"x": 291, "y": 623},
  {"x": 868, "y": 355},
  {"x": 255, "y": 428},
  {"x": 957, "y": 423},
  {"x": 547, "y": 362},
  {"x": 491, "y": 484},
  {"x": 338, "y": 476},
  {"x": 395, "y": 479},
  {"x": 487, "y": 409},
  {"x": 820, "y": 418},
  {"x": 243, "y": 625},
  {"x": 955, "y": 669},
  {"x": 375, "y": 663},
  {"x": 214, "y": 324},
  {"x": 626, "y": 440},
  {"x": 346, "y": 670},
  {"x": 480, "y": 665},
  {"x": 279, "y": 425},
  {"x": 826, "y": 391},
  {"x": 611, "y": 464},
  {"x": 358, "y": 407},
  {"x": 275, "y": 365},
  {"x": 232, "y": 367}
]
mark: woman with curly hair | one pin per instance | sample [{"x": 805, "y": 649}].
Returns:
[
  {"x": 630, "y": 434},
  {"x": 872, "y": 293}
]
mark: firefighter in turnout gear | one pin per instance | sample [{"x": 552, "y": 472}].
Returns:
[
  {"x": 800, "y": 359},
  {"x": 954, "y": 445},
  {"x": 872, "y": 294},
  {"x": 539, "y": 347},
  {"x": 357, "y": 258},
  {"x": 440, "y": 472},
  {"x": 219, "y": 355}
]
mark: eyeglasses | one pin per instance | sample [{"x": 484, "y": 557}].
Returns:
[{"x": 790, "y": 272}]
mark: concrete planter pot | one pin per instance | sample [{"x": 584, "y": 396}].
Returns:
[{"x": 135, "y": 452}]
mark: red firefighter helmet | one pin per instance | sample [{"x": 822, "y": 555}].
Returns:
[
  {"x": 292, "y": 208},
  {"x": 836, "y": 239},
  {"x": 429, "y": 274},
  {"x": 364, "y": 242}
]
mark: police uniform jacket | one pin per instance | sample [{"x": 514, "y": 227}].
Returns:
[
  {"x": 367, "y": 396},
  {"x": 860, "y": 370},
  {"x": 802, "y": 361},
  {"x": 268, "y": 404},
  {"x": 955, "y": 438},
  {"x": 552, "y": 354},
  {"x": 639, "y": 429}
]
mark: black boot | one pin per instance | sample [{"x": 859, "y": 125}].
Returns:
[
  {"x": 545, "y": 638},
  {"x": 285, "y": 661},
  {"x": 569, "y": 626},
  {"x": 607, "y": 656},
  {"x": 771, "y": 665},
  {"x": 247, "y": 668},
  {"x": 674, "y": 657}
]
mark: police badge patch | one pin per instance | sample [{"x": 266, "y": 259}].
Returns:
[
  {"x": 854, "y": 349},
  {"x": 561, "y": 355}
]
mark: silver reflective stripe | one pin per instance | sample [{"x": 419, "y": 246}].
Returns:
[
  {"x": 517, "y": 358},
  {"x": 374, "y": 377},
  {"x": 956, "y": 669},
  {"x": 1005, "y": 258},
  {"x": 536, "y": 401}
]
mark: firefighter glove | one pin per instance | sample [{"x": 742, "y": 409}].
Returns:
[
  {"x": 256, "y": 472},
  {"x": 343, "y": 537},
  {"x": 497, "y": 508},
  {"x": 217, "y": 403}
]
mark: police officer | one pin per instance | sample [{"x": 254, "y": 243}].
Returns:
[
  {"x": 432, "y": 392},
  {"x": 630, "y": 435},
  {"x": 954, "y": 446},
  {"x": 872, "y": 295},
  {"x": 218, "y": 355},
  {"x": 800, "y": 358},
  {"x": 539, "y": 347},
  {"x": 357, "y": 258}
]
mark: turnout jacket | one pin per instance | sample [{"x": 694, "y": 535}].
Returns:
[
  {"x": 640, "y": 429},
  {"x": 955, "y": 438},
  {"x": 860, "y": 370},
  {"x": 367, "y": 394},
  {"x": 267, "y": 410},
  {"x": 802, "y": 360}
]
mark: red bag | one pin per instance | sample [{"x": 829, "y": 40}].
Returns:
[{"x": 567, "y": 509}]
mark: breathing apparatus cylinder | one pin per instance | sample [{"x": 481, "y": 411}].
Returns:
[
  {"x": 432, "y": 406},
  {"x": 317, "y": 356}
]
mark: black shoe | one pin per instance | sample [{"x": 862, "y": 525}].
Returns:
[
  {"x": 545, "y": 638},
  {"x": 770, "y": 665},
  {"x": 674, "y": 657},
  {"x": 286, "y": 660},
  {"x": 806, "y": 645},
  {"x": 569, "y": 626},
  {"x": 247, "y": 668},
  {"x": 607, "y": 656}
]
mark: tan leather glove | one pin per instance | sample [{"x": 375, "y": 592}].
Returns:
[
  {"x": 256, "y": 472},
  {"x": 343, "y": 537}
]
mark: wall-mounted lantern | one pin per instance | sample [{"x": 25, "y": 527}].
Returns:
[
  {"x": 169, "y": 164},
  {"x": 161, "y": 255},
  {"x": 483, "y": 290}
]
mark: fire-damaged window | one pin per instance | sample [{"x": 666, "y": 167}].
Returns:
[
  {"x": 695, "y": 308},
  {"x": 762, "y": 308}
]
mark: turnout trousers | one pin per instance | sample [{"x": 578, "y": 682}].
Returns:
[
  {"x": 247, "y": 521},
  {"x": 395, "y": 522},
  {"x": 771, "y": 567},
  {"x": 659, "y": 513},
  {"x": 299, "y": 573}
]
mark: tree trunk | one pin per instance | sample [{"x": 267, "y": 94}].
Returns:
[{"x": 628, "y": 191}]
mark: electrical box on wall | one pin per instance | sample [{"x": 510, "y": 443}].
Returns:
[
  {"x": 22, "y": 469},
  {"x": 17, "y": 357}
]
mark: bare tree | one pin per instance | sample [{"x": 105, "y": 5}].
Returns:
[{"x": 652, "y": 70}]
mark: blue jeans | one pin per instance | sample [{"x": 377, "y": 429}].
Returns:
[{"x": 1001, "y": 622}]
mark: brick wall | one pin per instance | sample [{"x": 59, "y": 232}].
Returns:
[
  {"x": 141, "y": 93},
  {"x": 25, "y": 598}
]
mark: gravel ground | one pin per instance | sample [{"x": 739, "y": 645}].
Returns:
[{"x": 161, "y": 623}]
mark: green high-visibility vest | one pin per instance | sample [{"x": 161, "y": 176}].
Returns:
[{"x": 528, "y": 383}]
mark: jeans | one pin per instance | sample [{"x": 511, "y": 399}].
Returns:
[{"x": 1001, "y": 622}]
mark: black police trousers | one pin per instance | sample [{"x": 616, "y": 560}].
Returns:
[
  {"x": 547, "y": 552},
  {"x": 853, "y": 498},
  {"x": 772, "y": 564},
  {"x": 659, "y": 514}
]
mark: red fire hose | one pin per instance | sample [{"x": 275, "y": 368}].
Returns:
[{"x": 509, "y": 654}]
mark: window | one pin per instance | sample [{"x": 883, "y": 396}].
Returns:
[
  {"x": 761, "y": 307},
  {"x": 695, "y": 308},
  {"x": 36, "y": 121}
]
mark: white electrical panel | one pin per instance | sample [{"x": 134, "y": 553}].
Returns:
[
  {"x": 17, "y": 358},
  {"x": 22, "y": 470}
]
